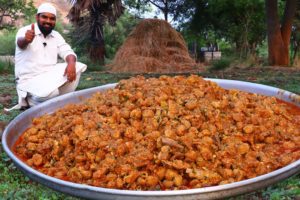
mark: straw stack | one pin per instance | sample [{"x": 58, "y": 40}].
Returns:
[{"x": 153, "y": 46}]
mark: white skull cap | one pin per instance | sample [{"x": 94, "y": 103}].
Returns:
[{"x": 46, "y": 8}]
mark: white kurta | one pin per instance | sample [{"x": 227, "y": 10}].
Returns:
[{"x": 36, "y": 68}]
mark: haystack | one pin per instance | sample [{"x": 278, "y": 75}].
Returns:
[{"x": 153, "y": 46}]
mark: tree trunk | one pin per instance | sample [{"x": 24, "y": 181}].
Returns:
[
  {"x": 97, "y": 44},
  {"x": 97, "y": 54},
  {"x": 279, "y": 34},
  {"x": 166, "y": 10},
  {"x": 166, "y": 14}
]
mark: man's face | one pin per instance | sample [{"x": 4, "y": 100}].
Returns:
[{"x": 46, "y": 22}]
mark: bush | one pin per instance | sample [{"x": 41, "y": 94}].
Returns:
[
  {"x": 262, "y": 50},
  {"x": 223, "y": 63},
  {"x": 7, "y": 42}
]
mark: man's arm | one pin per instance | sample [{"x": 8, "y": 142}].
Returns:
[
  {"x": 70, "y": 70},
  {"x": 29, "y": 36},
  {"x": 65, "y": 52}
]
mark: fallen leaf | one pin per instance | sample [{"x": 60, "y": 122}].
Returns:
[{"x": 5, "y": 100}]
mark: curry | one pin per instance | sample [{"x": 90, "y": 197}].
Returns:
[{"x": 166, "y": 133}]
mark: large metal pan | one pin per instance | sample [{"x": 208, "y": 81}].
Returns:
[{"x": 23, "y": 121}]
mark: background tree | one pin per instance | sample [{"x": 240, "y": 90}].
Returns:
[
  {"x": 114, "y": 36},
  {"x": 279, "y": 34},
  {"x": 240, "y": 22},
  {"x": 136, "y": 8},
  {"x": 12, "y": 10},
  {"x": 169, "y": 8},
  {"x": 89, "y": 17}
]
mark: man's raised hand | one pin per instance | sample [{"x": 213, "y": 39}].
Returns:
[{"x": 29, "y": 35}]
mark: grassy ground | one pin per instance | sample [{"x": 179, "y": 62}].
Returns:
[{"x": 14, "y": 185}]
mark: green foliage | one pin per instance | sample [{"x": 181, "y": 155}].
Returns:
[
  {"x": 263, "y": 49},
  {"x": 78, "y": 41},
  {"x": 59, "y": 27},
  {"x": 172, "y": 10},
  {"x": 295, "y": 39},
  {"x": 14, "y": 185},
  {"x": 220, "y": 64},
  {"x": 91, "y": 66},
  {"x": 289, "y": 189},
  {"x": 89, "y": 17},
  {"x": 240, "y": 22},
  {"x": 284, "y": 82},
  {"x": 15, "y": 9},
  {"x": 7, "y": 42},
  {"x": 137, "y": 8},
  {"x": 6, "y": 67},
  {"x": 7, "y": 36},
  {"x": 114, "y": 36},
  {"x": 190, "y": 37}
]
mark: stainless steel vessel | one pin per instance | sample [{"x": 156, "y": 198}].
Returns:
[{"x": 23, "y": 121}]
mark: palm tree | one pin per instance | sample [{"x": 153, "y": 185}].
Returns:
[{"x": 89, "y": 17}]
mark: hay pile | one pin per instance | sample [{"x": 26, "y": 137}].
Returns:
[{"x": 153, "y": 46}]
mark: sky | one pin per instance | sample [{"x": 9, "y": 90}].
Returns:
[{"x": 151, "y": 14}]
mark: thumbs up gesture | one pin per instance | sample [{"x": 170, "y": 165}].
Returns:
[{"x": 29, "y": 35}]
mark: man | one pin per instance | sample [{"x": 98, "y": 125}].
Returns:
[{"x": 38, "y": 75}]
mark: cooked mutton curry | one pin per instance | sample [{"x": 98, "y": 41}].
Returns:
[{"x": 164, "y": 133}]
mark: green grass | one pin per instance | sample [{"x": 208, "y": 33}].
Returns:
[
  {"x": 6, "y": 67},
  {"x": 280, "y": 82},
  {"x": 14, "y": 185},
  {"x": 286, "y": 189},
  {"x": 7, "y": 42},
  {"x": 221, "y": 64}
]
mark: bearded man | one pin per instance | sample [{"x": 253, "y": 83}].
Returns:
[{"x": 38, "y": 75}]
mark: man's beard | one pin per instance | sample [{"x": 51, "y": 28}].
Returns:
[{"x": 45, "y": 30}]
